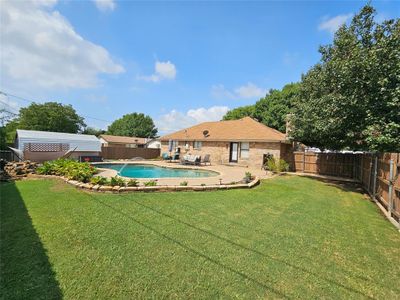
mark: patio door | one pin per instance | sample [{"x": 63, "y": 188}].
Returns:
[{"x": 233, "y": 156}]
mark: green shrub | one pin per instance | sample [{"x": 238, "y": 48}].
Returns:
[
  {"x": 117, "y": 181},
  {"x": 184, "y": 183},
  {"x": 150, "y": 183},
  {"x": 248, "y": 177},
  {"x": 203, "y": 184},
  {"x": 277, "y": 165},
  {"x": 98, "y": 180},
  {"x": 71, "y": 169},
  {"x": 132, "y": 182}
]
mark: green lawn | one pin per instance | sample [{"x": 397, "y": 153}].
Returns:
[{"x": 291, "y": 237}]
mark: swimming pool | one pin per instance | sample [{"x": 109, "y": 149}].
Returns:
[{"x": 151, "y": 171}]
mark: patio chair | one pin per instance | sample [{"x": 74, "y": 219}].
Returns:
[
  {"x": 206, "y": 160},
  {"x": 165, "y": 156},
  {"x": 175, "y": 157}
]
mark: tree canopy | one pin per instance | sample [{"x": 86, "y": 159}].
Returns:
[
  {"x": 240, "y": 112},
  {"x": 93, "y": 131},
  {"x": 351, "y": 98},
  {"x": 271, "y": 110},
  {"x": 134, "y": 124},
  {"x": 50, "y": 116}
]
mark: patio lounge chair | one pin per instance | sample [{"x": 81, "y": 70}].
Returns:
[
  {"x": 191, "y": 160},
  {"x": 206, "y": 160}
]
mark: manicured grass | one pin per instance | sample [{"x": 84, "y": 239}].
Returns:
[{"x": 291, "y": 237}]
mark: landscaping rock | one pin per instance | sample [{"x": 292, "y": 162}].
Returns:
[
  {"x": 20, "y": 169},
  {"x": 105, "y": 188}
]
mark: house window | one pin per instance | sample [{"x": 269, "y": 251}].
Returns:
[
  {"x": 197, "y": 145},
  {"x": 244, "y": 150}
]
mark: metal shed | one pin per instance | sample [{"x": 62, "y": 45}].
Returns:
[{"x": 44, "y": 145}]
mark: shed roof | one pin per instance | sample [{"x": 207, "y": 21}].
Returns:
[
  {"x": 49, "y": 135},
  {"x": 123, "y": 139},
  {"x": 245, "y": 129}
]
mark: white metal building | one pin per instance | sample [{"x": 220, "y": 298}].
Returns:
[{"x": 45, "y": 145}]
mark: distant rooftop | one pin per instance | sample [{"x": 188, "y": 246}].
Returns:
[{"x": 123, "y": 139}]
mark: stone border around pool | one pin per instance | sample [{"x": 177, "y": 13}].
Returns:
[{"x": 158, "y": 188}]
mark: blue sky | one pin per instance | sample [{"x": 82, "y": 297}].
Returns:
[{"x": 179, "y": 62}]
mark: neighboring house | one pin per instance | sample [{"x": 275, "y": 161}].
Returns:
[
  {"x": 245, "y": 142},
  {"x": 122, "y": 141},
  {"x": 45, "y": 145},
  {"x": 153, "y": 144}
]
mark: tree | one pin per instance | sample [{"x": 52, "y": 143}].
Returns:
[
  {"x": 351, "y": 99},
  {"x": 134, "y": 124},
  {"x": 273, "y": 109},
  {"x": 93, "y": 131},
  {"x": 7, "y": 132},
  {"x": 50, "y": 116},
  {"x": 240, "y": 112}
]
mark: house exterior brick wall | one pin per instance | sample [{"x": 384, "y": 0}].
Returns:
[{"x": 220, "y": 151}]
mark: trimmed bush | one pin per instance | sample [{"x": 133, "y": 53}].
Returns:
[
  {"x": 150, "y": 183},
  {"x": 132, "y": 183},
  {"x": 184, "y": 183},
  {"x": 248, "y": 177},
  {"x": 99, "y": 180},
  {"x": 117, "y": 181},
  {"x": 277, "y": 165}
]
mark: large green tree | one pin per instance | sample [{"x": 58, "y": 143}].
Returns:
[
  {"x": 240, "y": 112},
  {"x": 351, "y": 98},
  {"x": 272, "y": 110},
  {"x": 134, "y": 124},
  {"x": 93, "y": 131},
  {"x": 50, "y": 116}
]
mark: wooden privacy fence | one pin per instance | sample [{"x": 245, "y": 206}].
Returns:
[
  {"x": 129, "y": 153},
  {"x": 379, "y": 174}
]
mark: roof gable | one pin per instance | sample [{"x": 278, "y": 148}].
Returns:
[
  {"x": 123, "y": 139},
  {"x": 245, "y": 129}
]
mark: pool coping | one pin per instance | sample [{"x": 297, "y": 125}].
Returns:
[{"x": 157, "y": 188}]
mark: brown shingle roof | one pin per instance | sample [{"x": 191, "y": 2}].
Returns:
[
  {"x": 123, "y": 139},
  {"x": 245, "y": 129}
]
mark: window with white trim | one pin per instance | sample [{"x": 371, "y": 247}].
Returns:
[
  {"x": 244, "y": 150},
  {"x": 197, "y": 145}
]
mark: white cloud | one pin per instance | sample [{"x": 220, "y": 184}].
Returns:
[
  {"x": 162, "y": 70},
  {"x": 176, "y": 120},
  {"x": 333, "y": 24},
  {"x": 105, "y": 5},
  {"x": 40, "y": 48},
  {"x": 249, "y": 90}
]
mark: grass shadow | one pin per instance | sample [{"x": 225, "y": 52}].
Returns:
[{"x": 25, "y": 270}]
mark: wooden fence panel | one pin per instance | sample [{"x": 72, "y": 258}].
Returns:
[{"x": 129, "y": 153}]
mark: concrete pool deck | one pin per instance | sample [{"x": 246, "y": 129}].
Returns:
[{"x": 226, "y": 173}]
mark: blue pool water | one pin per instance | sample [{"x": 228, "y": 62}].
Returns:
[{"x": 148, "y": 171}]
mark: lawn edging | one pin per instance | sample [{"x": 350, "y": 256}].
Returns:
[{"x": 158, "y": 188}]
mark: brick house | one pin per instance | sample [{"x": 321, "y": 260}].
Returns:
[{"x": 244, "y": 142}]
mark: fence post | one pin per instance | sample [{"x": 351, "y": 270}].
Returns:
[
  {"x": 375, "y": 173},
  {"x": 369, "y": 176},
  {"x": 390, "y": 193}
]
